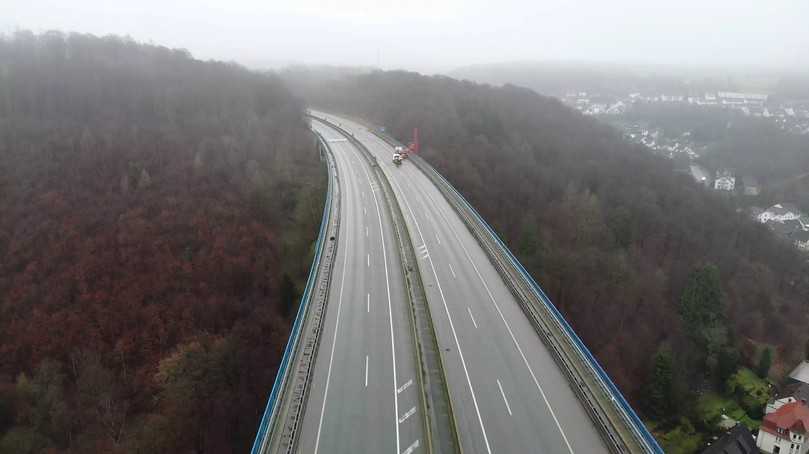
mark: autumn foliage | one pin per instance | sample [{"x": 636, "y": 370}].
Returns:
[
  {"x": 611, "y": 232},
  {"x": 150, "y": 206}
]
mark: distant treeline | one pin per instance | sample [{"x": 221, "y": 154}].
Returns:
[
  {"x": 156, "y": 217},
  {"x": 559, "y": 78},
  {"x": 556, "y": 78}
]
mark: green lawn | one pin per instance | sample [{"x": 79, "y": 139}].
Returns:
[
  {"x": 682, "y": 439},
  {"x": 746, "y": 396},
  {"x": 750, "y": 391},
  {"x": 711, "y": 406}
]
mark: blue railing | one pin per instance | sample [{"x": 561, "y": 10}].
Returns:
[
  {"x": 280, "y": 377},
  {"x": 616, "y": 393}
]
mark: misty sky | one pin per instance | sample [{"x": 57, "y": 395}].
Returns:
[{"x": 435, "y": 36}]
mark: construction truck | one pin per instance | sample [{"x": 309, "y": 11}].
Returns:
[{"x": 401, "y": 153}]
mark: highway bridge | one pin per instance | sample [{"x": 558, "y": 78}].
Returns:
[{"x": 420, "y": 332}]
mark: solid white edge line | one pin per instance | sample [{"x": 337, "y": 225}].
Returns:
[
  {"x": 390, "y": 307},
  {"x": 508, "y": 327},
  {"x": 508, "y": 407}
]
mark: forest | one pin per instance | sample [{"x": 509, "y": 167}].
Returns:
[
  {"x": 157, "y": 215},
  {"x": 673, "y": 290}
]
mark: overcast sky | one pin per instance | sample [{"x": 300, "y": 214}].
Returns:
[{"x": 436, "y": 36}]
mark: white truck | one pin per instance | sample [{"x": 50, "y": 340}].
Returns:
[{"x": 399, "y": 155}]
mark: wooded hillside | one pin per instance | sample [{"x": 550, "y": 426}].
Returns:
[
  {"x": 637, "y": 257},
  {"x": 156, "y": 213}
]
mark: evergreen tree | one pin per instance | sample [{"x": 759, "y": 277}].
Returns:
[
  {"x": 701, "y": 301},
  {"x": 806, "y": 350},
  {"x": 659, "y": 388},
  {"x": 6, "y": 413},
  {"x": 703, "y": 319},
  {"x": 727, "y": 365},
  {"x": 764, "y": 363}
]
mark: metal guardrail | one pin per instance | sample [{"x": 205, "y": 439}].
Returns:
[
  {"x": 269, "y": 419},
  {"x": 643, "y": 440}
]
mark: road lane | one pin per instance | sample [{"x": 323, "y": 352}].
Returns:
[
  {"x": 353, "y": 404},
  {"x": 546, "y": 416}
]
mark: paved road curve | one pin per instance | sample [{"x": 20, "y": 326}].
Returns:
[
  {"x": 508, "y": 393},
  {"x": 363, "y": 397}
]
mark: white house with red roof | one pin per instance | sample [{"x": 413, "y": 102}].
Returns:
[{"x": 784, "y": 431}]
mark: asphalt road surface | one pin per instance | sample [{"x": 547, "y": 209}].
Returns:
[
  {"x": 363, "y": 397},
  {"x": 508, "y": 393}
]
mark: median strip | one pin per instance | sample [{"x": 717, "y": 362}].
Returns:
[
  {"x": 621, "y": 428},
  {"x": 440, "y": 425}
]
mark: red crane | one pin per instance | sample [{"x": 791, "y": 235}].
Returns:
[
  {"x": 414, "y": 145},
  {"x": 401, "y": 153}
]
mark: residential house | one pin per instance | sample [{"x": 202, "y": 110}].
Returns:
[
  {"x": 725, "y": 181},
  {"x": 672, "y": 98},
  {"x": 780, "y": 212},
  {"x": 596, "y": 109},
  {"x": 784, "y": 431},
  {"x": 616, "y": 109},
  {"x": 793, "y": 392},
  {"x": 800, "y": 374},
  {"x": 786, "y": 221},
  {"x": 729, "y": 97},
  {"x": 756, "y": 111},
  {"x": 738, "y": 440},
  {"x": 751, "y": 186}
]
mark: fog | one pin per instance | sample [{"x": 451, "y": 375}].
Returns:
[{"x": 432, "y": 36}]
